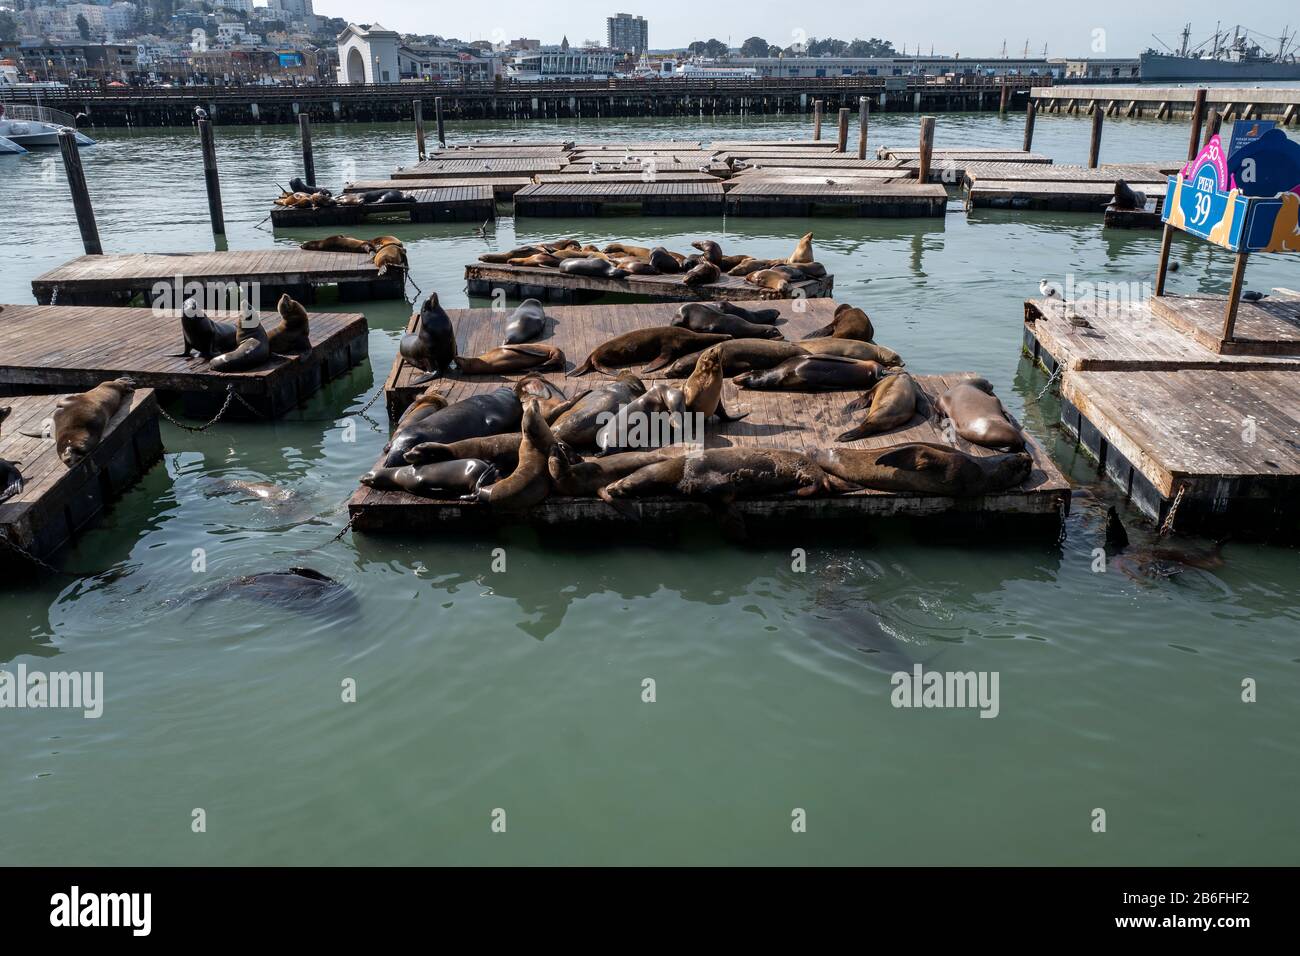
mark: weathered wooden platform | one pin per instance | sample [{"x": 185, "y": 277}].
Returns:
[
  {"x": 618, "y": 146},
  {"x": 73, "y": 348},
  {"x": 595, "y": 197},
  {"x": 551, "y": 285},
  {"x": 774, "y": 196},
  {"x": 732, "y": 145},
  {"x": 1267, "y": 327},
  {"x": 438, "y": 204},
  {"x": 1133, "y": 173},
  {"x": 117, "y": 279},
  {"x": 480, "y": 166},
  {"x": 1148, "y": 217},
  {"x": 503, "y": 187},
  {"x": 660, "y": 176},
  {"x": 963, "y": 156},
  {"x": 1048, "y": 196},
  {"x": 835, "y": 161},
  {"x": 57, "y": 501},
  {"x": 802, "y": 422}
]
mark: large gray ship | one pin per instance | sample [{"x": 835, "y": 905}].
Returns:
[{"x": 1225, "y": 56}]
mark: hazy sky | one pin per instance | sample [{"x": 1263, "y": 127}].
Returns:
[{"x": 971, "y": 29}]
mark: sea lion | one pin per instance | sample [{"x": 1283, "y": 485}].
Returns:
[
  {"x": 252, "y": 348},
  {"x": 444, "y": 479},
  {"x": 854, "y": 349},
  {"x": 579, "y": 424},
  {"x": 926, "y": 468},
  {"x": 11, "y": 479},
  {"x": 739, "y": 355},
  {"x": 80, "y": 420},
  {"x": 978, "y": 415},
  {"x": 302, "y": 590},
  {"x": 653, "y": 419},
  {"x": 636, "y": 267},
  {"x": 892, "y": 402},
  {"x": 513, "y": 358},
  {"x": 752, "y": 265},
  {"x": 702, "y": 393},
  {"x": 426, "y": 403},
  {"x": 711, "y": 250},
  {"x": 599, "y": 268},
  {"x": 503, "y": 257},
  {"x": 803, "y": 250},
  {"x": 432, "y": 346},
  {"x": 488, "y": 413},
  {"x": 850, "y": 322},
  {"x": 813, "y": 373},
  {"x": 657, "y": 345},
  {"x": 572, "y": 254},
  {"x": 390, "y": 256},
  {"x": 757, "y": 316},
  {"x": 530, "y": 482},
  {"x": 290, "y": 336},
  {"x": 1126, "y": 197},
  {"x": 299, "y": 185},
  {"x": 526, "y": 322},
  {"x": 664, "y": 261},
  {"x": 501, "y": 450},
  {"x": 807, "y": 270},
  {"x": 706, "y": 317},
  {"x": 538, "y": 260},
  {"x": 337, "y": 244},
  {"x": 576, "y": 477},
  {"x": 561, "y": 245},
  {"x": 203, "y": 335},
  {"x": 771, "y": 280},
  {"x": 640, "y": 252},
  {"x": 727, "y": 263},
  {"x": 702, "y": 274}
]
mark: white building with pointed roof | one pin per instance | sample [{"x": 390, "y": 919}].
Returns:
[{"x": 368, "y": 54}]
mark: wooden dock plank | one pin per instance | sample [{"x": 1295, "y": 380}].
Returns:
[
  {"x": 1049, "y": 196},
  {"x": 1267, "y": 327},
  {"x": 593, "y": 196},
  {"x": 764, "y": 196},
  {"x": 480, "y": 167}
]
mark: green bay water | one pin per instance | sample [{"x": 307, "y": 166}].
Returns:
[{"x": 522, "y": 692}]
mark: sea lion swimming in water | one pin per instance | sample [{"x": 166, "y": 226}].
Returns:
[
  {"x": 597, "y": 268},
  {"x": 302, "y": 590},
  {"x": 338, "y": 244},
  {"x": 926, "y": 468},
  {"x": 576, "y": 477},
  {"x": 892, "y": 402},
  {"x": 432, "y": 346},
  {"x": 80, "y": 420},
  {"x": 252, "y": 348},
  {"x": 530, "y": 482},
  {"x": 532, "y": 356},
  {"x": 444, "y": 479},
  {"x": 813, "y": 373},
  {"x": 702, "y": 274},
  {"x": 705, "y": 317},
  {"x": 203, "y": 335},
  {"x": 739, "y": 355},
  {"x": 803, "y": 250},
  {"x": 978, "y": 415},
  {"x": 854, "y": 349},
  {"x": 850, "y": 322},
  {"x": 579, "y": 424},
  {"x": 657, "y": 345},
  {"x": 290, "y": 336},
  {"x": 488, "y": 413},
  {"x": 11, "y": 479},
  {"x": 526, "y": 322}
]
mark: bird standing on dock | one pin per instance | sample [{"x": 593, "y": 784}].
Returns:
[{"x": 1050, "y": 290}]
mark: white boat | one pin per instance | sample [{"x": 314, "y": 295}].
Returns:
[
  {"x": 25, "y": 125},
  {"x": 9, "y": 148}
]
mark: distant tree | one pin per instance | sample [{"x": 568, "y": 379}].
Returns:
[
  {"x": 829, "y": 46},
  {"x": 774, "y": 50},
  {"x": 8, "y": 26},
  {"x": 715, "y": 48},
  {"x": 872, "y": 47},
  {"x": 83, "y": 26},
  {"x": 754, "y": 46}
]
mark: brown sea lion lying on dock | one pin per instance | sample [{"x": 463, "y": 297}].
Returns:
[
  {"x": 532, "y": 356},
  {"x": 579, "y": 423},
  {"x": 530, "y": 482},
  {"x": 708, "y": 317},
  {"x": 80, "y": 420},
  {"x": 338, "y": 244},
  {"x": 891, "y": 403},
  {"x": 813, "y": 373},
  {"x": 252, "y": 349},
  {"x": 576, "y": 477},
  {"x": 850, "y": 322},
  {"x": 739, "y": 355},
  {"x": 854, "y": 349},
  {"x": 926, "y": 468},
  {"x": 978, "y": 415},
  {"x": 657, "y": 346}
]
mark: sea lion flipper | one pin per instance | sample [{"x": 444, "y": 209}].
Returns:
[
  {"x": 30, "y": 434},
  {"x": 661, "y": 362},
  {"x": 862, "y": 402},
  {"x": 427, "y": 377},
  {"x": 727, "y": 416},
  {"x": 821, "y": 333},
  {"x": 623, "y": 507},
  {"x": 911, "y": 458}
]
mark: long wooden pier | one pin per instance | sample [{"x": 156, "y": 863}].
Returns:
[
  {"x": 799, "y": 421},
  {"x": 118, "y": 279},
  {"x": 481, "y": 167},
  {"x": 57, "y": 501},
  {"x": 73, "y": 348},
  {"x": 596, "y": 197},
  {"x": 1176, "y": 425},
  {"x": 503, "y": 187},
  {"x": 476, "y": 203},
  {"x": 552, "y": 285},
  {"x": 1165, "y": 102}
]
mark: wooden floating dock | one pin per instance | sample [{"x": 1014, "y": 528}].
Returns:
[
  {"x": 659, "y": 177},
  {"x": 777, "y": 196},
  {"x": 1172, "y": 422},
  {"x": 551, "y": 285},
  {"x": 798, "y": 421},
  {"x": 1252, "y": 102},
  {"x": 1269, "y": 327},
  {"x": 1135, "y": 174},
  {"x": 1148, "y": 217},
  {"x": 1049, "y": 196},
  {"x": 503, "y": 187},
  {"x": 111, "y": 342},
  {"x": 962, "y": 156},
  {"x": 57, "y": 502},
  {"x": 480, "y": 167},
  {"x": 596, "y": 197},
  {"x": 117, "y": 279},
  {"x": 437, "y": 204}
]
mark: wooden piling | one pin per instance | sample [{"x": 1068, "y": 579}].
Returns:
[
  {"x": 211, "y": 178},
  {"x": 1213, "y": 125},
  {"x": 80, "y": 194},
  {"x": 1234, "y": 295},
  {"x": 842, "y": 143},
  {"x": 1002, "y": 103},
  {"x": 1094, "y": 147},
  {"x": 308, "y": 160},
  {"x": 419, "y": 130},
  {"x": 864, "y": 113},
  {"x": 1030, "y": 111},
  {"x": 1198, "y": 114},
  {"x": 437, "y": 108},
  {"x": 817, "y": 119},
  {"x": 926, "y": 147}
]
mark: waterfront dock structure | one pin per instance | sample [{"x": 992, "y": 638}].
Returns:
[
  {"x": 1148, "y": 217},
  {"x": 855, "y": 196},
  {"x": 482, "y": 168},
  {"x": 442, "y": 203},
  {"x": 120, "y": 279},
  {"x": 596, "y": 197},
  {"x": 142, "y": 343},
  {"x": 1171, "y": 420},
  {"x": 57, "y": 501},
  {"x": 1163, "y": 102},
  {"x": 552, "y": 285},
  {"x": 503, "y": 187},
  {"x": 799, "y": 421},
  {"x": 1050, "y": 195}
]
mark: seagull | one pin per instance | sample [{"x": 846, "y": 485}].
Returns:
[
  {"x": 1051, "y": 290},
  {"x": 486, "y": 164},
  {"x": 200, "y": 113},
  {"x": 481, "y": 231},
  {"x": 595, "y": 168}
]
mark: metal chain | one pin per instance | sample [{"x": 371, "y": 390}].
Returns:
[
  {"x": 1063, "y": 511},
  {"x": 243, "y": 401},
  {"x": 1167, "y": 526},
  {"x": 23, "y": 552},
  {"x": 1050, "y": 379},
  {"x": 230, "y": 394}
]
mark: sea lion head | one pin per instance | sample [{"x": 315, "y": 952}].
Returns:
[
  {"x": 291, "y": 311},
  {"x": 430, "y": 398},
  {"x": 633, "y": 383},
  {"x": 712, "y": 251},
  {"x": 534, "y": 427},
  {"x": 124, "y": 386},
  {"x": 537, "y": 387},
  {"x": 191, "y": 308},
  {"x": 1007, "y": 471}
]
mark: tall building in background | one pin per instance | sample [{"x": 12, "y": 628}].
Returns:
[{"x": 628, "y": 33}]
